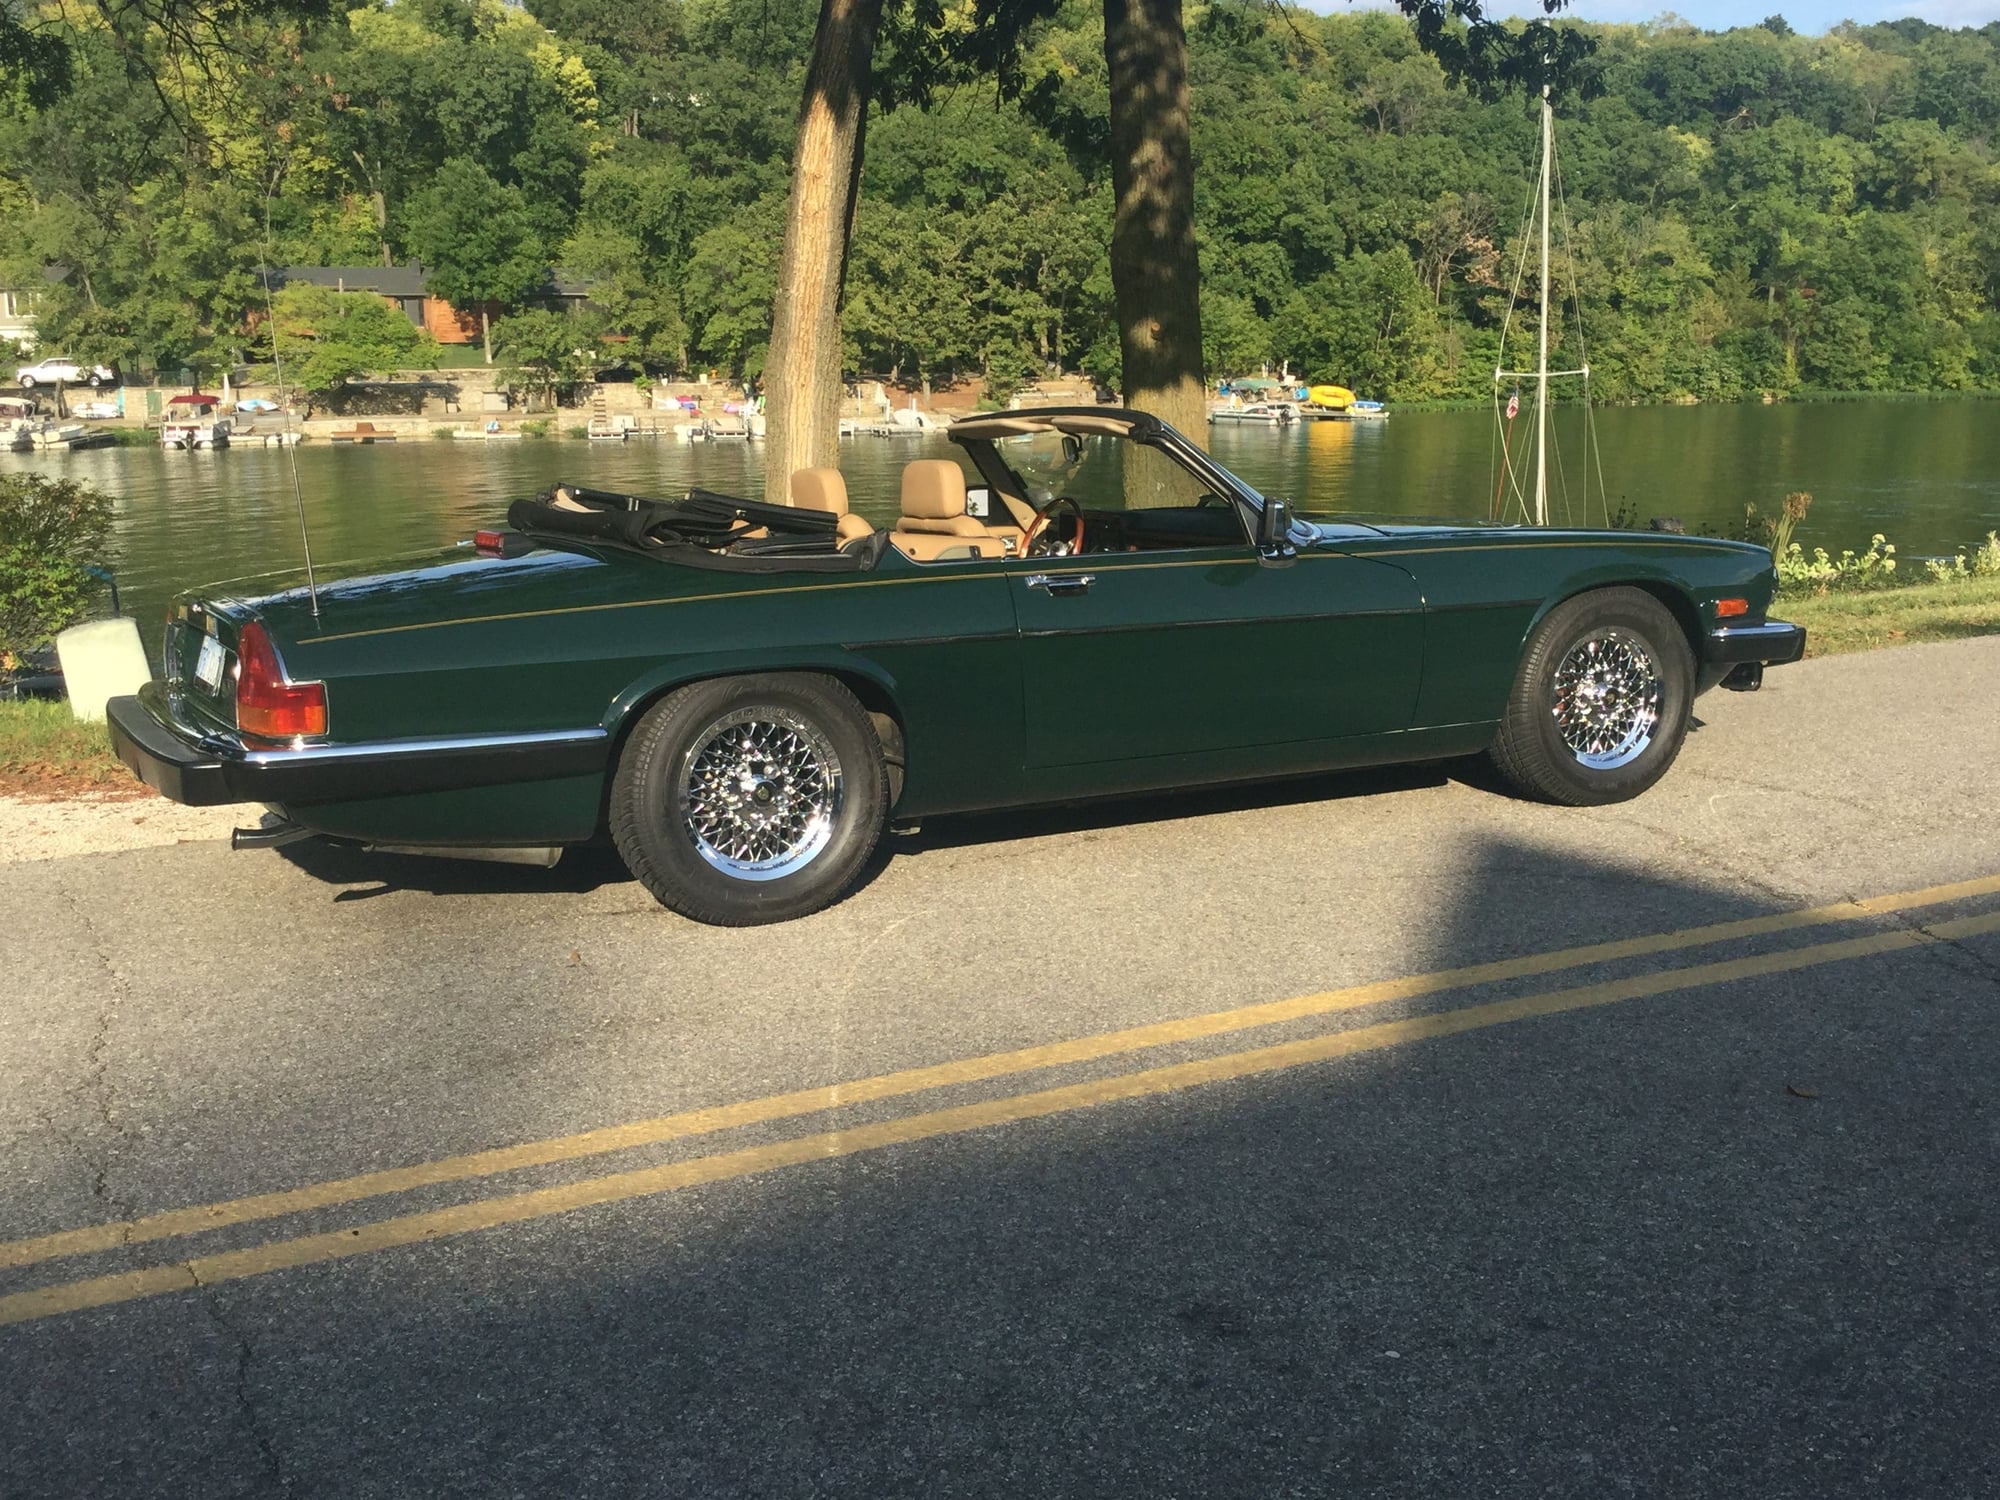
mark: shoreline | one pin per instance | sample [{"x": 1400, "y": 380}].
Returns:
[{"x": 444, "y": 419}]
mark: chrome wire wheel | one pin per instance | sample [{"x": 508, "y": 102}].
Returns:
[
  {"x": 760, "y": 793},
  {"x": 1607, "y": 692}
]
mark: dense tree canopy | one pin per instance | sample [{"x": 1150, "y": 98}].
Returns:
[{"x": 1751, "y": 210}]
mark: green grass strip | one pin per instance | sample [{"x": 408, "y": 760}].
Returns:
[{"x": 1906, "y": 615}]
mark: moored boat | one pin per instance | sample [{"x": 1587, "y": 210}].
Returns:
[
  {"x": 191, "y": 422},
  {"x": 1261, "y": 413}
]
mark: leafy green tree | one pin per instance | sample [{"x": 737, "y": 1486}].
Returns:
[
  {"x": 328, "y": 337},
  {"x": 547, "y": 354},
  {"x": 52, "y": 532},
  {"x": 731, "y": 278},
  {"x": 477, "y": 241},
  {"x": 1368, "y": 325}
]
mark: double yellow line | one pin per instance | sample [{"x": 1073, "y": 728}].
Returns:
[{"x": 486, "y": 1213}]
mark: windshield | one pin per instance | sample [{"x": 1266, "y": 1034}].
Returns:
[{"x": 1098, "y": 471}]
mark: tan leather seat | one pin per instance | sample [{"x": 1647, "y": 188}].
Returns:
[
  {"x": 824, "y": 489},
  {"x": 934, "y": 522}
]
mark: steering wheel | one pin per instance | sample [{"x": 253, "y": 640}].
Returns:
[{"x": 1039, "y": 531}]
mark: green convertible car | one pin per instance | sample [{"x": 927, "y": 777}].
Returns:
[{"x": 744, "y": 695}]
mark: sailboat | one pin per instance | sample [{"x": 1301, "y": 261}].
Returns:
[{"x": 1524, "y": 480}]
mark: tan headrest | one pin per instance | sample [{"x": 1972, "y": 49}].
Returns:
[
  {"x": 819, "y": 489},
  {"x": 933, "y": 489}
]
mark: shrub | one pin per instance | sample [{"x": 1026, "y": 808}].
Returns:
[
  {"x": 51, "y": 533},
  {"x": 1776, "y": 531},
  {"x": 578, "y": 431},
  {"x": 1821, "y": 573},
  {"x": 540, "y": 428},
  {"x": 1983, "y": 563}
]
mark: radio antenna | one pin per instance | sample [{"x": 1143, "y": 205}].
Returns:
[{"x": 288, "y": 442}]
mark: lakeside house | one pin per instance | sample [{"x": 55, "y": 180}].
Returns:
[
  {"x": 403, "y": 287},
  {"x": 17, "y": 316},
  {"x": 18, "y": 303}
]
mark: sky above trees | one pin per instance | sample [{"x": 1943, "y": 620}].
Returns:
[{"x": 1809, "y": 16}]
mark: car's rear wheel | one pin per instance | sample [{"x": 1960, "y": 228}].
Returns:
[
  {"x": 750, "y": 799},
  {"x": 96, "y": 381},
  {"x": 27, "y": 382},
  {"x": 1600, "y": 702}
]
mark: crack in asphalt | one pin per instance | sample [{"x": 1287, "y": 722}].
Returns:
[
  {"x": 1781, "y": 898},
  {"x": 95, "y": 1090},
  {"x": 1977, "y": 964},
  {"x": 246, "y": 1405}
]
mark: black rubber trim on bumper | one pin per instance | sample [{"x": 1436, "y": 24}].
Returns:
[
  {"x": 170, "y": 765},
  {"x": 202, "y": 772},
  {"x": 1774, "y": 644}
]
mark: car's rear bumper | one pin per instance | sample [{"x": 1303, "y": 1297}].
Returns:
[
  {"x": 1773, "y": 644},
  {"x": 203, "y": 769}
]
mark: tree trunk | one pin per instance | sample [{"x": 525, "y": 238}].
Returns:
[
  {"x": 1153, "y": 266},
  {"x": 802, "y": 371},
  {"x": 486, "y": 331}
]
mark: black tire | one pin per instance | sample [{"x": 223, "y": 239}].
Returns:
[
  {"x": 27, "y": 382},
  {"x": 1562, "y": 746},
  {"x": 96, "y": 381},
  {"x": 695, "y": 833}
]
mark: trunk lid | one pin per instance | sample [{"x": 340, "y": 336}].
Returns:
[{"x": 200, "y": 658}]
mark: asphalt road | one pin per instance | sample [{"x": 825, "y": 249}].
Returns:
[{"x": 1712, "y": 1210}]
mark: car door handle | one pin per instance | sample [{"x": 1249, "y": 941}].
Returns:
[{"x": 1062, "y": 583}]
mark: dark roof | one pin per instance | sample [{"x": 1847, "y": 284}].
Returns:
[
  {"x": 407, "y": 281},
  {"x": 390, "y": 281}
]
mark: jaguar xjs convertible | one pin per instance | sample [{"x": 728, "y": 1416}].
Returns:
[{"x": 743, "y": 695}]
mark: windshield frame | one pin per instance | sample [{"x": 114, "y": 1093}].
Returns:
[{"x": 979, "y": 436}]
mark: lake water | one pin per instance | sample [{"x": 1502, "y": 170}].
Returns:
[{"x": 1926, "y": 473}]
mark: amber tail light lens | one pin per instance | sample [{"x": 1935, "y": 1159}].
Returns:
[
  {"x": 266, "y": 704},
  {"x": 1729, "y": 609}
]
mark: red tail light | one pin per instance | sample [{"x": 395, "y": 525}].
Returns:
[
  {"x": 489, "y": 541},
  {"x": 1729, "y": 609},
  {"x": 267, "y": 705}
]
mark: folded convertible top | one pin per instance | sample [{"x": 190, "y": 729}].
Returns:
[{"x": 700, "y": 518}]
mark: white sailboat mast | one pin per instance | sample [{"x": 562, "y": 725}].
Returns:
[{"x": 1542, "y": 362}]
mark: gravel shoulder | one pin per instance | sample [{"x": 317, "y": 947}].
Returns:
[{"x": 36, "y": 829}]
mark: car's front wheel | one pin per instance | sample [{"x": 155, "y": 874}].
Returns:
[
  {"x": 27, "y": 382},
  {"x": 96, "y": 381},
  {"x": 1600, "y": 702},
  {"x": 750, "y": 799}
]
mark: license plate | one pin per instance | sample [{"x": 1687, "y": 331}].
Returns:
[{"x": 208, "y": 663}]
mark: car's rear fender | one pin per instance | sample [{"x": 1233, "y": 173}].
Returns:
[{"x": 870, "y": 682}]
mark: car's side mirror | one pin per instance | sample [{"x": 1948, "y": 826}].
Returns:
[{"x": 1274, "y": 532}]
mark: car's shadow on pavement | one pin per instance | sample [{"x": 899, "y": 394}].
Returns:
[
  {"x": 965, "y": 829},
  {"x": 364, "y": 874}
]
